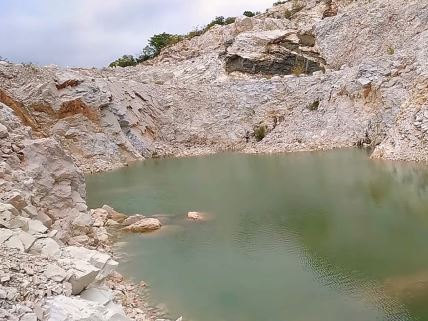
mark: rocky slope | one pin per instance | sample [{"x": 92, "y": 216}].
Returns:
[
  {"x": 312, "y": 74},
  {"x": 361, "y": 63}
]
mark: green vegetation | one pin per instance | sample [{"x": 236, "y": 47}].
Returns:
[
  {"x": 163, "y": 40},
  {"x": 314, "y": 106},
  {"x": 390, "y": 50},
  {"x": 260, "y": 132},
  {"x": 279, "y": 3},
  {"x": 249, "y": 13},
  {"x": 298, "y": 69},
  {"x": 124, "y": 61}
]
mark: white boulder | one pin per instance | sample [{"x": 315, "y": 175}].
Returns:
[
  {"x": 55, "y": 273},
  {"x": 62, "y": 308},
  {"x": 195, "y": 216},
  {"x": 36, "y": 227},
  {"x": 144, "y": 225},
  {"x": 46, "y": 246}
]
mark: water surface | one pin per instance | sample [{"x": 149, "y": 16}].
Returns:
[{"x": 330, "y": 236}]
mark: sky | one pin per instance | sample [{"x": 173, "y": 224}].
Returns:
[{"x": 93, "y": 33}]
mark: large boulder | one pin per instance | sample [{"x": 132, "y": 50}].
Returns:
[
  {"x": 114, "y": 215},
  {"x": 36, "y": 227},
  {"x": 133, "y": 219},
  {"x": 144, "y": 225},
  {"x": 46, "y": 246},
  {"x": 102, "y": 261},
  {"x": 83, "y": 274},
  {"x": 9, "y": 217},
  {"x": 55, "y": 273}
]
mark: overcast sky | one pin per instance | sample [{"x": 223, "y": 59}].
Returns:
[{"x": 92, "y": 33}]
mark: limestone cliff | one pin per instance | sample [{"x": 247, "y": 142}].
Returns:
[{"x": 359, "y": 65}]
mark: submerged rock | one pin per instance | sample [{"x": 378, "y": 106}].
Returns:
[
  {"x": 133, "y": 219},
  {"x": 144, "y": 225},
  {"x": 114, "y": 215},
  {"x": 196, "y": 216}
]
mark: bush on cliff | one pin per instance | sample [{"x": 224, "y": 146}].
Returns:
[
  {"x": 124, "y": 61},
  {"x": 249, "y": 14},
  {"x": 260, "y": 132}
]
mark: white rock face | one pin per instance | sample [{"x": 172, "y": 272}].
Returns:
[
  {"x": 46, "y": 246},
  {"x": 36, "y": 227},
  {"x": 74, "y": 309}
]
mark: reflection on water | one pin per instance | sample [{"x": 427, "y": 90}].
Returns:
[{"x": 300, "y": 237}]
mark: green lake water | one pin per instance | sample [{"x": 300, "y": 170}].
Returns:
[{"x": 329, "y": 236}]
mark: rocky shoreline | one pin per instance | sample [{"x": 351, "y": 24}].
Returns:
[{"x": 56, "y": 255}]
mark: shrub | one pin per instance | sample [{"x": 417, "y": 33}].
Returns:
[
  {"x": 229, "y": 20},
  {"x": 196, "y": 32},
  {"x": 260, "y": 132},
  {"x": 162, "y": 40},
  {"x": 249, "y": 14},
  {"x": 279, "y": 3},
  {"x": 288, "y": 14},
  {"x": 298, "y": 69},
  {"x": 314, "y": 106},
  {"x": 124, "y": 61},
  {"x": 390, "y": 50}
]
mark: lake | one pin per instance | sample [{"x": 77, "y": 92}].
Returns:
[{"x": 323, "y": 236}]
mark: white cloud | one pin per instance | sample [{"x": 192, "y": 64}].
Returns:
[{"x": 94, "y": 32}]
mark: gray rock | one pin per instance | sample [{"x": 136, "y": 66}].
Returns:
[
  {"x": 55, "y": 273},
  {"x": 29, "y": 317},
  {"x": 14, "y": 242},
  {"x": 5, "y": 234},
  {"x": 83, "y": 275},
  {"x": 27, "y": 240},
  {"x": 4, "y": 133},
  {"x": 36, "y": 227},
  {"x": 46, "y": 246},
  {"x": 133, "y": 219},
  {"x": 77, "y": 309},
  {"x": 98, "y": 295}
]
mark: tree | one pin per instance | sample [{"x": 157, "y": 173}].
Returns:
[
  {"x": 148, "y": 53},
  {"x": 162, "y": 40},
  {"x": 249, "y": 13}
]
